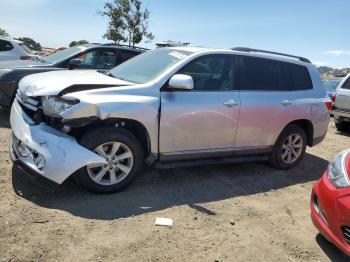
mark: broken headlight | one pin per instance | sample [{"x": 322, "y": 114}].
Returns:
[{"x": 53, "y": 106}]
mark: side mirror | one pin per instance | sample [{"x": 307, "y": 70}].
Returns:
[
  {"x": 180, "y": 81},
  {"x": 73, "y": 63}
]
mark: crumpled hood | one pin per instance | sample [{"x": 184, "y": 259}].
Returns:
[{"x": 53, "y": 83}]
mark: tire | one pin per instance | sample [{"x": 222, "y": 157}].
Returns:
[
  {"x": 128, "y": 156},
  {"x": 341, "y": 125},
  {"x": 281, "y": 150}
]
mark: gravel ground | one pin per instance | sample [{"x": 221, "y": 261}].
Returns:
[{"x": 240, "y": 212}]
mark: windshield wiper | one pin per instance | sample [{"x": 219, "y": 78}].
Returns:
[{"x": 109, "y": 73}]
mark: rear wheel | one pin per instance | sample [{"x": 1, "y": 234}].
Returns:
[
  {"x": 290, "y": 148},
  {"x": 124, "y": 157}
]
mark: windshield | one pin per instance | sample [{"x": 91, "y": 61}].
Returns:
[
  {"x": 331, "y": 85},
  {"x": 147, "y": 66},
  {"x": 62, "y": 55}
]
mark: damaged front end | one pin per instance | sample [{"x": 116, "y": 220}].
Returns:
[
  {"x": 48, "y": 109},
  {"x": 40, "y": 139}
]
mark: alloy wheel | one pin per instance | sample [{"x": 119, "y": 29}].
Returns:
[
  {"x": 119, "y": 164},
  {"x": 292, "y": 148}
]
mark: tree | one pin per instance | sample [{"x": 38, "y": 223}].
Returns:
[
  {"x": 30, "y": 43},
  {"x": 128, "y": 22},
  {"x": 114, "y": 34},
  {"x": 116, "y": 25},
  {"x": 3, "y": 33},
  {"x": 80, "y": 42}
]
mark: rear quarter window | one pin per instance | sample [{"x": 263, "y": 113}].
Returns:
[
  {"x": 5, "y": 45},
  {"x": 300, "y": 77}
]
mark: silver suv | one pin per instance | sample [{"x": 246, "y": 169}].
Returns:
[
  {"x": 341, "y": 108},
  {"x": 169, "y": 107}
]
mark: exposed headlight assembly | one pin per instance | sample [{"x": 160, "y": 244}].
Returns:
[
  {"x": 54, "y": 106},
  {"x": 337, "y": 173}
]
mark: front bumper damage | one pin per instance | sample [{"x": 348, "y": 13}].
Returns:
[{"x": 45, "y": 151}]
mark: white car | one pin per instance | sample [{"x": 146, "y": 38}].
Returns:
[{"x": 11, "y": 49}]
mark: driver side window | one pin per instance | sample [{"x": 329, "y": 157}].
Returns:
[
  {"x": 98, "y": 59},
  {"x": 211, "y": 72}
]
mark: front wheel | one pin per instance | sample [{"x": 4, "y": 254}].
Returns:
[
  {"x": 290, "y": 148},
  {"x": 124, "y": 157}
]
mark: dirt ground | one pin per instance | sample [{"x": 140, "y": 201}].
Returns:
[{"x": 240, "y": 212}]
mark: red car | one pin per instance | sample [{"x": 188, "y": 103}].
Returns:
[{"x": 330, "y": 202}]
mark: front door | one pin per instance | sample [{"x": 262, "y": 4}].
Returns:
[{"x": 202, "y": 121}]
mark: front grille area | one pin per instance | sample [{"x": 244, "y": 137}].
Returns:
[
  {"x": 28, "y": 111},
  {"x": 30, "y": 105},
  {"x": 346, "y": 234}
]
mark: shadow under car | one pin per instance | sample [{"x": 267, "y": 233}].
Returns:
[{"x": 160, "y": 189}]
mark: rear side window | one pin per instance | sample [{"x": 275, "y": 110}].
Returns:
[
  {"x": 261, "y": 74},
  {"x": 346, "y": 84},
  {"x": 5, "y": 45},
  {"x": 258, "y": 74},
  {"x": 285, "y": 77}
]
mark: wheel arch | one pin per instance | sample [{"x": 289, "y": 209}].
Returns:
[
  {"x": 133, "y": 126},
  {"x": 306, "y": 125}
]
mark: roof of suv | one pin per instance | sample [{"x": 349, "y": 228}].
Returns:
[{"x": 249, "y": 52}]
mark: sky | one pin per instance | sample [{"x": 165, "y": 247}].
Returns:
[{"x": 316, "y": 29}]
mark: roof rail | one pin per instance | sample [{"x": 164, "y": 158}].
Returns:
[
  {"x": 247, "y": 49},
  {"x": 135, "y": 47}
]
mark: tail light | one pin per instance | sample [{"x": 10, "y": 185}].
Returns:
[
  {"x": 25, "y": 57},
  {"x": 328, "y": 103},
  {"x": 333, "y": 98}
]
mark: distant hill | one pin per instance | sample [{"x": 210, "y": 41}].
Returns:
[{"x": 327, "y": 72}]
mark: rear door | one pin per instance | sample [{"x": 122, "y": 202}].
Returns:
[
  {"x": 342, "y": 100},
  {"x": 266, "y": 102}
]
